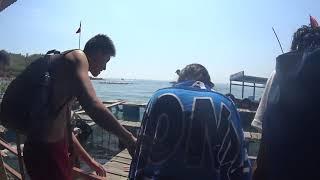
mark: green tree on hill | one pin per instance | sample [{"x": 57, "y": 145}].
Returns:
[
  {"x": 4, "y": 62},
  {"x": 18, "y": 63},
  {"x": 12, "y": 65}
]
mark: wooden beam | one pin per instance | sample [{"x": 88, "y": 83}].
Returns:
[
  {"x": 107, "y": 106},
  {"x": 247, "y": 85},
  {"x": 7, "y": 146},
  {"x": 12, "y": 171}
]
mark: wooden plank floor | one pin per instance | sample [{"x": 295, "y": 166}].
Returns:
[{"x": 118, "y": 166}]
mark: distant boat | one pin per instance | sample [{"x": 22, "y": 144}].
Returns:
[
  {"x": 114, "y": 82},
  {"x": 93, "y": 78}
]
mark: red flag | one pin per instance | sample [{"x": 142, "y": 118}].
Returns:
[
  {"x": 313, "y": 22},
  {"x": 79, "y": 30}
]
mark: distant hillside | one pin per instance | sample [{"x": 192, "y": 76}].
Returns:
[{"x": 18, "y": 63}]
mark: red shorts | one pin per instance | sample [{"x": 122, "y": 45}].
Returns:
[{"x": 47, "y": 161}]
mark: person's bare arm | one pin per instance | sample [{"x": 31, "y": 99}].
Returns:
[
  {"x": 92, "y": 105},
  {"x": 82, "y": 153}
]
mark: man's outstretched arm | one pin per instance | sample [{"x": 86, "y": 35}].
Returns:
[
  {"x": 93, "y": 106},
  {"x": 82, "y": 153}
]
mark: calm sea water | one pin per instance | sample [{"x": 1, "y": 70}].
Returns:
[{"x": 141, "y": 90}]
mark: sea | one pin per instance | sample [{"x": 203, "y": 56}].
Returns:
[{"x": 140, "y": 91}]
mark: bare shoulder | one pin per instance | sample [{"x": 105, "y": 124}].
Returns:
[
  {"x": 77, "y": 58},
  {"x": 78, "y": 71}
]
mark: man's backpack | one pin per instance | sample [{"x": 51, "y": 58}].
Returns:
[
  {"x": 26, "y": 102},
  {"x": 291, "y": 126}
]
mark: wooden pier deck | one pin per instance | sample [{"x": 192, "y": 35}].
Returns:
[{"x": 118, "y": 166}]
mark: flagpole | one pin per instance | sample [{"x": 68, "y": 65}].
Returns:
[{"x": 80, "y": 35}]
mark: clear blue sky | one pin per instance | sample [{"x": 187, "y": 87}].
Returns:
[{"x": 154, "y": 38}]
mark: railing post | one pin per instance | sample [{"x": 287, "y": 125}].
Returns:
[
  {"x": 21, "y": 166},
  {"x": 242, "y": 88},
  {"x": 254, "y": 91},
  {"x": 3, "y": 173}
]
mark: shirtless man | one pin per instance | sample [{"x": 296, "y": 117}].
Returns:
[{"x": 46, "y": 148}]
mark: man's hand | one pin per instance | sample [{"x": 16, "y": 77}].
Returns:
[{"x": 100, "y": 170}]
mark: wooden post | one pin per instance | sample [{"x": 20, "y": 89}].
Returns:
[
  {"x": 3, "y": 173},
  {"x": 21, "y": 166}
]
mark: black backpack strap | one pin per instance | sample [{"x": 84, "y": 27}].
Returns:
[
  {"x": 69, "y": 130},
  {"x": 53, "y": 51}
]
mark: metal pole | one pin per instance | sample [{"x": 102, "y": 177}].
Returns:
[
  {"x": 230, "y": 87},
  {"x": 254, "y": 91},
  {"x": 79, "y": 38},
  {"x": 242, "y": 88},
  {"x": 80, "y": 34},
  {"x": 277, "y": 39}
]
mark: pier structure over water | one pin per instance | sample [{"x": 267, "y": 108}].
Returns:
[{"x": 247, "y": 81}]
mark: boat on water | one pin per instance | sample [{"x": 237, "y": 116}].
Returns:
[
  {"x": 114, "y": 82},
  {"x": 94, "y": 78}
]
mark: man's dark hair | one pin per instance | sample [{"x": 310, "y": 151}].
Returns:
[
  {"x": 306, "y": 37},
  {"x": 100, "y": 43},
  {"x": 195, "y": 72}
]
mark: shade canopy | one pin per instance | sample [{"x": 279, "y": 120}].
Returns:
[
  {"x": 240, "y": 77},
  {"x": 6, "y": 3}
]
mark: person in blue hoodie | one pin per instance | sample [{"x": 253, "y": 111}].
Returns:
[{"x": 189, "y": 131}]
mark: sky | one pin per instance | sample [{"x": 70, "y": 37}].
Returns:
[{"x": 154, "y": 38}]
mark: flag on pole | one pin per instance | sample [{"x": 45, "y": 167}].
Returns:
[
  {"x": 313, "y": 22},
  {"x": 79, "y": 30}
]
